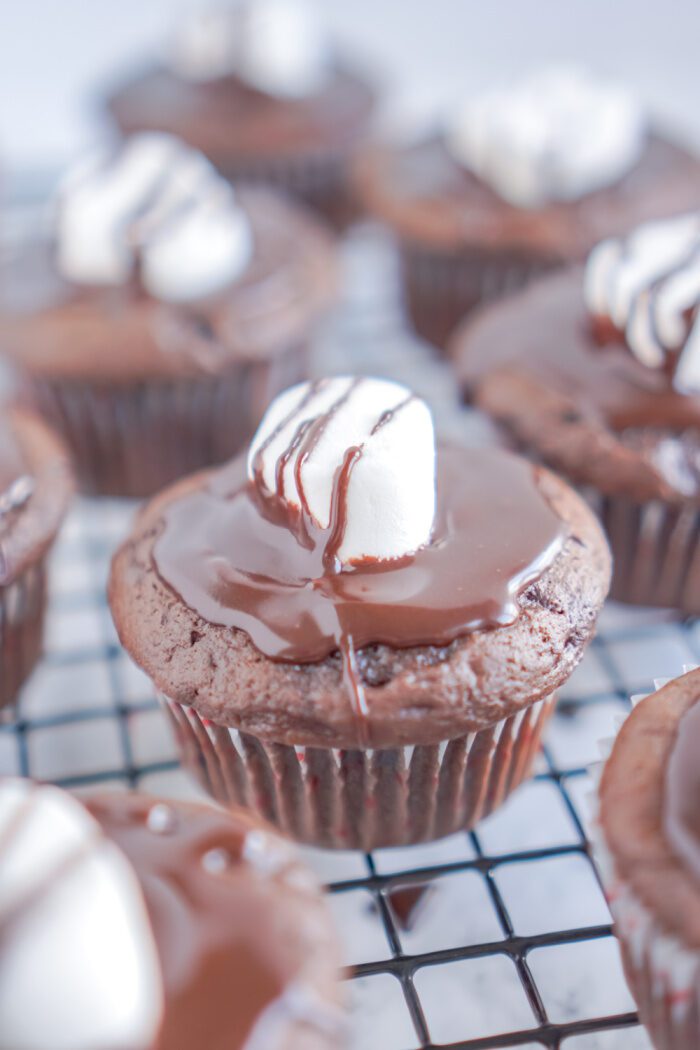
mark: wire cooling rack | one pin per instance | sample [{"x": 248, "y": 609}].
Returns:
[{"x": 497, "y": 938}]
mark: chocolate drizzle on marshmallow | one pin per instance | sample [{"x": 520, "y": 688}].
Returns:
[
  {"x": 644, "y": 291},
  {"x": 334, "y": 538},
  {"x": 157, "y": 214}
]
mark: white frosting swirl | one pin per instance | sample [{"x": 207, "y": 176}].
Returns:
[
  {"x": 556, "y": 136},
  {"x": 647, "y": 286},
  {"x": 390, "y": 500},
  {"x": 79, "y": 968},
  {"x": 159, "y": 203},
  {"x": 276, "y": 46}
]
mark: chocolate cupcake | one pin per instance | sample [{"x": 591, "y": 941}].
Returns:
[
  {"x": 260, "y": 91},
  {"x": 520, "y": 182},
  {"x": 35, "y": 490},
  {"x": 150, "y": 925},
  {"x": 358, "y": 636},
  {"x": 164, "y": 313},
  {"x": 597, "y": 373},
  {"x": 649, "y": 850}
]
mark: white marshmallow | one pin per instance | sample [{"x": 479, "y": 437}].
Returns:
[
  {"x": 556, "y": 136},
  {"x": 391, "y": 493},
  {"x": 79, "y": 968},
  {"x": 648, "y": 285},
  {"x": 158, "y": 199},
  {"x": 276, "y": 46}
]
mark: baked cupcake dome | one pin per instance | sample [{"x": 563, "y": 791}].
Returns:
[
  {"x": 456, "y": 655},
  {"x": 649, "y": 852},
  {"x": 260, "y": 91},
  {"x": 157, "y": 925},
  {"x": 36, "y": 486},
  {"x": 519, "y": 182},
  {"x": 585, "y": 385},
  {"x": 153, "y": 343}
]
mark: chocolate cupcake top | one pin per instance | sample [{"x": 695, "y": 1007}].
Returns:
[
  {"x": 649, "y": 806},
  {"x": 599, "y": 369},
  {"x": 549, "y": 166},
  {"x": 157, "y": 268},
  {"x": 151, "y": 925},
  {"x": 261, "y": 80},
  {"x": 35, "y": 489},
  {"x": 350, "y": 584}
]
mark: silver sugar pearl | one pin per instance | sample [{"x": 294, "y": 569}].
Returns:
[{"x": 161, "y": 819}]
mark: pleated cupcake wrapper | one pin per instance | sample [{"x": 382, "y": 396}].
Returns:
[
  {"x": 363, "y": 799},
  {"x": 320, "y": 179},
  {"x": 22, "y": 606},
  {"x": 442, "y": 288},
  {"x": 131, "y": 440},
  {"x": 656, "y": 551},
  {"x": 664, "y": 975}
]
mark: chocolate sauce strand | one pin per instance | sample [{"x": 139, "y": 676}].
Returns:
[
  {"x": 682, "y": 791},
  {"x": 314, "y": 435},
  {"x": 313, "y": 389},
  {"x": 353, "y": 685},
  {"x": 389, "y": 413},
  {"x": 339, "y": 510},
  {"x": 283, "y": 460}
]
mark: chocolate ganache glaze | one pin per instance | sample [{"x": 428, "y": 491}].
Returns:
[
  {"x": 219, "y": 972},
  {"x": 682, "y": 791},
  {"x": 245, "y": 558}
]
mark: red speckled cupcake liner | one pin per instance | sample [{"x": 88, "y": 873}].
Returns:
[
  {"x": 441, "y": 288},
  {"x": 132, "y": 439},
  {"x": 656, "y": 552},
  {"x": 363, "y": 799},
  {"x": 22, "y": 607}
]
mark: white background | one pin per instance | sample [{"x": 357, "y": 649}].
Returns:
[{"x": 55, "y": 55}]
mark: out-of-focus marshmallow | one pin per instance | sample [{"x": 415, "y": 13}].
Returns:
[
  {"x": 157, "y": 201},
  {"x": 79, "y": 968},
  {"x": 276, "y": 46},
  {"x": 557, "y": 136},
  {"x": 390, "y": 500}
]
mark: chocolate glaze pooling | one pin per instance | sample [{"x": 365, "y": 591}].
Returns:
[
  {"x": 682, "y": 791},
  {"x": 219, "y": 975},
  {"x": 243, "y": 561}
]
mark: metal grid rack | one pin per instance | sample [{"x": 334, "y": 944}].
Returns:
[{"x": 497, "y": 938}]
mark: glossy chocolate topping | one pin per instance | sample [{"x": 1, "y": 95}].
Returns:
[
  {"x": 246, "y": 561},
  {"x": 682, "y": 791},
  {"x": 219, "y": 971}
]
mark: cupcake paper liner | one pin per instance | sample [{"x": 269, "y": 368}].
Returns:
[
  {"x": 442, "y": 288},
  {"x": 131, "y": 440},
  {"x": 656, "y": 551},
  {"x": 663, "y": 975},
  {"x": 321, "y": 180},
  {"x": 22, "y": 606},
  {"x": 363, "y": 799}
]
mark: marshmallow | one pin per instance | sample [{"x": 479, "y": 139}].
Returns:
[
  {"x": 157, "y": 201},
  {"x": 648, "y": 286},
  {"x": 79, "y": 968},
  {"x": 276, "y": 46},
  {"x": 556, "y": 136},
  {"x": 391, "y": 492}
]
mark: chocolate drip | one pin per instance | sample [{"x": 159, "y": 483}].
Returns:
[
  {"x": 681, "y": 807},
  {"x": 238, "y": 562},
  {"x": 220, "y": 973},
  {"x": 390, "y": 413}
]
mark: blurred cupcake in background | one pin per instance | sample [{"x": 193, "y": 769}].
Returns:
[
  {"x": 259, "y": 88},
  {"x": 35, "y": 489},
  {"x": 161, "y": 314},
  {"x": 647, "y": 836},
  {"x": 596, "y": 372},
  {"x": 516, "y": 182},
  {"x": 356, "y": 633},
  {"x": 145, "y": 924}
]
